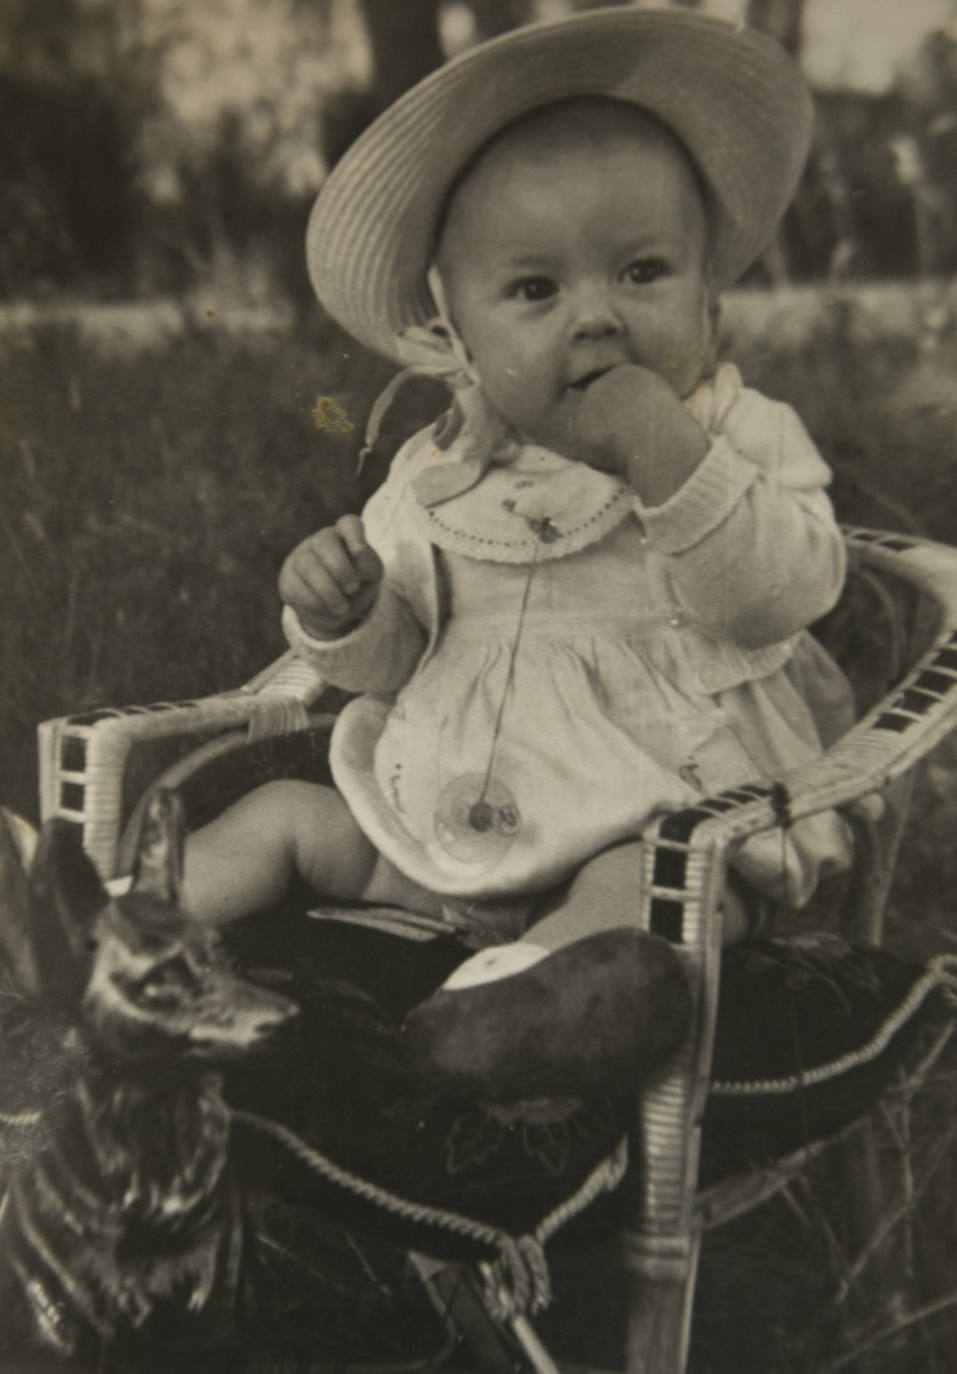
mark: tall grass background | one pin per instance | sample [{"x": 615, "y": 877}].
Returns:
[{"x": 151, "y": 490}]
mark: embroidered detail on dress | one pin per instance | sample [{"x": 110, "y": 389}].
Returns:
[
  {"x": 561, "y": 503},
  {"x": 541, "y": 526},
  {"x": 545, "y": 530},
  {"x": 520, "y": 549}
]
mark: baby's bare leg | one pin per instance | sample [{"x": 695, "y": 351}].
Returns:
[{"x": 246, "y": 859}]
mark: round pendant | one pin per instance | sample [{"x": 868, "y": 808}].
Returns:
[{"x": 476, "y": 819}]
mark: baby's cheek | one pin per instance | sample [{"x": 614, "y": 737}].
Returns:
[{"x": 517, "y": 398}]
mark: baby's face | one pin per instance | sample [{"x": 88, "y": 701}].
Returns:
[{"x": 576, "y": 243}]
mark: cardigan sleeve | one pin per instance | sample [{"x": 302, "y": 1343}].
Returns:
[
  {"x": 380, "y": 654},
  {"x": 751, "y": 548}
]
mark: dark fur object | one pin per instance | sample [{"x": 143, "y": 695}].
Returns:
[{"x": 121, "y": 1233}]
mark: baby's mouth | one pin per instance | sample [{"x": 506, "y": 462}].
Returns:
[{"x": 585, "y": 382}]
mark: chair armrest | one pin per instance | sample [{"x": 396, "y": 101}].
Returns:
[
  {"x": 919, "y": 712},
  {"x": 684, "y": 861},
  {"x": 83, "y": 759}
]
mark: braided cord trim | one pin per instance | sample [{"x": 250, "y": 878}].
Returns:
[
  {"x": 604, "y": 1178},
  {"x": 507, "y": 1292},
  {"x": 518, "y": 1281},
  {"x": 372, "y": 1192},
  {"x": 941, "y": 973}
]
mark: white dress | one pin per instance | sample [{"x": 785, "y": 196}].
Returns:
[{"x": 565, "y": 702}]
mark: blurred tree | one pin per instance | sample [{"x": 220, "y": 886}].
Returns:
[
  {"x": 405, "y": 41},
  {"x": 230, "y": 157},
  {"x": 405, "y": 45},
  {"x": 158, "y": 146},
  {"x": 853, "y": 215},
  {"x": 927, "y": 87},
  {"x": 70, "y": 208},
  {"x": 781, "y": 19},
  {"x": 493, "y": 17}
]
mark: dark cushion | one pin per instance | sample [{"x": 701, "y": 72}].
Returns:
[
  {"x": 788, "y": 1009},
  {"x": 342, "y": 1085},
  {"x": 811, "y": 1031}
]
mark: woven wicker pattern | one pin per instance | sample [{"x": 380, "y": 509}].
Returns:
[{"x": 84, "y": 758}]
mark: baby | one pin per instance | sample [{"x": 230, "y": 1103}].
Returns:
[{"x": 582, "y": 596}]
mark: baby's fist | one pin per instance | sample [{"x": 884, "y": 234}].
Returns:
[
  {"x": 332, "y": 578},
  {"x": 631, "y": 421},
  {"x": 616, "y": 413}
]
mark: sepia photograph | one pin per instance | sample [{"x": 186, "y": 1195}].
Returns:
[{"x": 414, "y": 955}]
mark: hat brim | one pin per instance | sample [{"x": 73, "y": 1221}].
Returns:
[{"x": 733, "y": 97}]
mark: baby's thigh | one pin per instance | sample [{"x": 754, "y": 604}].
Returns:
[
  {"x": 338, "y": 860},
  {"x": 245, "y": 859},
  {"x": 331, "y": 852}
]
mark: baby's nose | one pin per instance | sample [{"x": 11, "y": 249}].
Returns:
[{"x": 594, "y": 312}]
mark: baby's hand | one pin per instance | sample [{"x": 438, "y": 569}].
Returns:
[
  {"x": 331, "y": 579},
  {"x": 631, "y": 422}
]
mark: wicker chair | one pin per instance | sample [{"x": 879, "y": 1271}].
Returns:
[{"x": 96, "y": 768}]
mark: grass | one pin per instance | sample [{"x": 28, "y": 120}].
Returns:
[
  {"x": 150, "y": 495},
  {"x": 149, "y": 498}
]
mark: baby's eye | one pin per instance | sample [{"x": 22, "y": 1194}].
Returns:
[
  {"x": 646, "y": 270},
  {"x": 533, "y": 288}
]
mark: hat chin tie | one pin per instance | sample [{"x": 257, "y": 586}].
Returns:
[{"x": 437, "y": 350}]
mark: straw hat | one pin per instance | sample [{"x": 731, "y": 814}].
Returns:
[{"x": 731, "y": 95}]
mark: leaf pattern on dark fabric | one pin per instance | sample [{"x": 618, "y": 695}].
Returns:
[
  {"x": 474, "y": 1138},
  {"x": 546, "y": 1130},
  {"x": 822, "y": 958},
  {"x": 548, "y": 1142}
]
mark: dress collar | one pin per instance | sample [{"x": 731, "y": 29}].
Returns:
[{"x": 531, "y": 505}]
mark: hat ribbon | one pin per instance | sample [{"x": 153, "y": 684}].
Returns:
[{"x": 436, "y": 350}]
